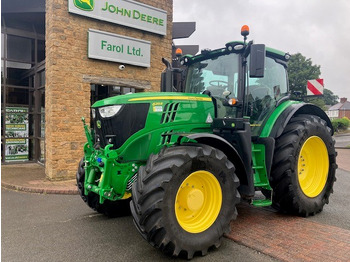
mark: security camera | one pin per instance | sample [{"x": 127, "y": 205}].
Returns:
[{"x": 122, "y": 67}]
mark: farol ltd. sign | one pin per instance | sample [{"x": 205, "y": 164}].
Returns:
[
  {"x": 123, "y": 12},
  {"x": 117, "y": 48}
]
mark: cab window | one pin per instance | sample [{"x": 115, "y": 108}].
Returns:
[{"x": 263, "y": 93}]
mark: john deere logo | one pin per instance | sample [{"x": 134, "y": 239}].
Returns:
[
  {"x": 86, "y": 5},
  {"x": 98, "y": 123}
]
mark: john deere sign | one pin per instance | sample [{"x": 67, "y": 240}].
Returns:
[
  {"x": 123, "y": 12},
  {"x": 116, "y": 48}
]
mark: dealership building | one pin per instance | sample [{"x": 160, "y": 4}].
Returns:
[{"x": 60, "y": 56}]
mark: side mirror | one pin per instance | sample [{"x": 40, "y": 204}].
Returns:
[
  {"x": 166, "y": 83},
  {"x": 257, "y": 60},
  {"x": 167, "y": 80}
]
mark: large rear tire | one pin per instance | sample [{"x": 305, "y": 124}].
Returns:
[
  {"x": 184, "y": 199},
  {"x": 303, "y": 170},
  {"x": 109, "y": 208}
]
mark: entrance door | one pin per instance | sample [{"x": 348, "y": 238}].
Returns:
[{"x": 100, "y": 91}]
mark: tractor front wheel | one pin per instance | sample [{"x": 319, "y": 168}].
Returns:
[
  {"x": 303, "y": 170},
  {"x": 109, "y": 208},
  {"x": 184, "y": 199}
]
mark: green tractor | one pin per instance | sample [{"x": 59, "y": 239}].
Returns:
[{"x": 182, "y": 161}]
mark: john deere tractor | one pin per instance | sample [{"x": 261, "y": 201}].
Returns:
[{"x": 182, "y": 161}]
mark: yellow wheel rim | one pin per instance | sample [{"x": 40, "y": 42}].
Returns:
[
  {"x": 198, "y": 201},
  {"x": 313, "y": 164}
]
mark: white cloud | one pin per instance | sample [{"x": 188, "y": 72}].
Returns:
[{"x": 319, "y": 30}]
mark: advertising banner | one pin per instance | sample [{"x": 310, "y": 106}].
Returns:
[{"x": 16, "y": 128}]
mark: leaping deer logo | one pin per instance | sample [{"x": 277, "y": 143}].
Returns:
[{"x": 86, "y": 5}]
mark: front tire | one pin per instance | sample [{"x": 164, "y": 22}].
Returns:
[
  {"x": 303, "y": 170},
  {"x": 184, "y": 199},
  {"x": 108, "y": 208}
]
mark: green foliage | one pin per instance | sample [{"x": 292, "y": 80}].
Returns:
[
  {"x": 301, "y": 69},
  {"x": 340, "y": 124},
  {"x": 329, "y": 97},
  {"x": 317, "y": 101}
]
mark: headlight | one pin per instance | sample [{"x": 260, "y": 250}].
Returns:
[
  {"x": 93, "y": 113},
  {"x": 109, "y": 111}
]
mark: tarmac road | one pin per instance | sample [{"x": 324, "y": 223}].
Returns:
[
  {"x": 342, "y": 141},
  {"x": 62, "y": 228}
]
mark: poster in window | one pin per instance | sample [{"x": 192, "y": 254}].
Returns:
[{"x": 16, "y": 129}]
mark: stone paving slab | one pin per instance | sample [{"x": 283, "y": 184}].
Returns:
[
  {"x": 343, "y": 159},
  {"x": 30, "y": 177}
]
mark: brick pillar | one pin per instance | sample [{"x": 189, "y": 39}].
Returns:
[
  {"x": 67, "y": 98},
  {"x": 67, "y": 95}
]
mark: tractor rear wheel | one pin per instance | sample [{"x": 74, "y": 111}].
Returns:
[
  {"x": 109, "y": 208},
  {"x": 184, "y": 199},
  {"x": 303, "y": 170}
]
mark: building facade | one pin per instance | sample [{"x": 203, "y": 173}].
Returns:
[
  {"x": 340, "y": 110},
  {"x": 93, "y": 50}
]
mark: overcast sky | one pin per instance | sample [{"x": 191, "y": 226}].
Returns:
[{"x": 318, "y": 29}]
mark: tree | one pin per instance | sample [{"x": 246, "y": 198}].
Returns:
[
  {"x": 301, "y": 69},
  {"x": 329, "y": 97},
  {"x": 317, "y": 101}
]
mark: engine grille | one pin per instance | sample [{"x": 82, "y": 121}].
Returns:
[
  {"x": 169, "y": 113},
  {"x": 117, "y": 129}
]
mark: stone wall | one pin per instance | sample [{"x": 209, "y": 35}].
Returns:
[{"x": 69, "y": 73}]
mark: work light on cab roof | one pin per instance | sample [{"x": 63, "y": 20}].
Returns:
[
  {"x": 245, "y": 32},
  {"x": 178, "y": 52}
]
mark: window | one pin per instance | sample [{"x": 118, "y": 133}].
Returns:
[
  {"x": 264, "y": 93},
  {"x": 23, "y": 91},
  {"x": 215, "y": 75},
  {"x": 219, "y": 76},
  {"x": 20, "y": 48}
]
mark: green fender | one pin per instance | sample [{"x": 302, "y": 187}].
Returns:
[{"x": 284, "y": 112}]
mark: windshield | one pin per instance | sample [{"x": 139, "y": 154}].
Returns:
[{"x": 216, "y": 75}]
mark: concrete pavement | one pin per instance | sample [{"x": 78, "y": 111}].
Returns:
[{"x": 30, "y": 177}]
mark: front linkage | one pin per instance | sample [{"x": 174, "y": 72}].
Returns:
[{"x": 99, "y": 166}]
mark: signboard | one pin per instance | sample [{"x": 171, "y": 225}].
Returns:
[
  {"x": 16, "y": 127},
  {"x": 315, "y": 87},
  {"x": 117, "y": 48},
  {"x": 123, "y": 12}
]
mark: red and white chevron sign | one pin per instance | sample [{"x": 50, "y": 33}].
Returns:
[{"x": 315, "y": 87}]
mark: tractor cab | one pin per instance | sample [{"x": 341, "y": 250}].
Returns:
[{"x": 244, "y": 80}]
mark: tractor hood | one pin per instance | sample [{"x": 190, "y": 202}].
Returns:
[
  {"x": 119, "y": 120},
  {"x": 150, "y": 97}
]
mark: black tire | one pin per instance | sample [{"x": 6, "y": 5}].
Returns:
[
  {"x": 288, "y": 194},
  {"x": 154, "y": 194},
  {"x": 109, "y": 208}
]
